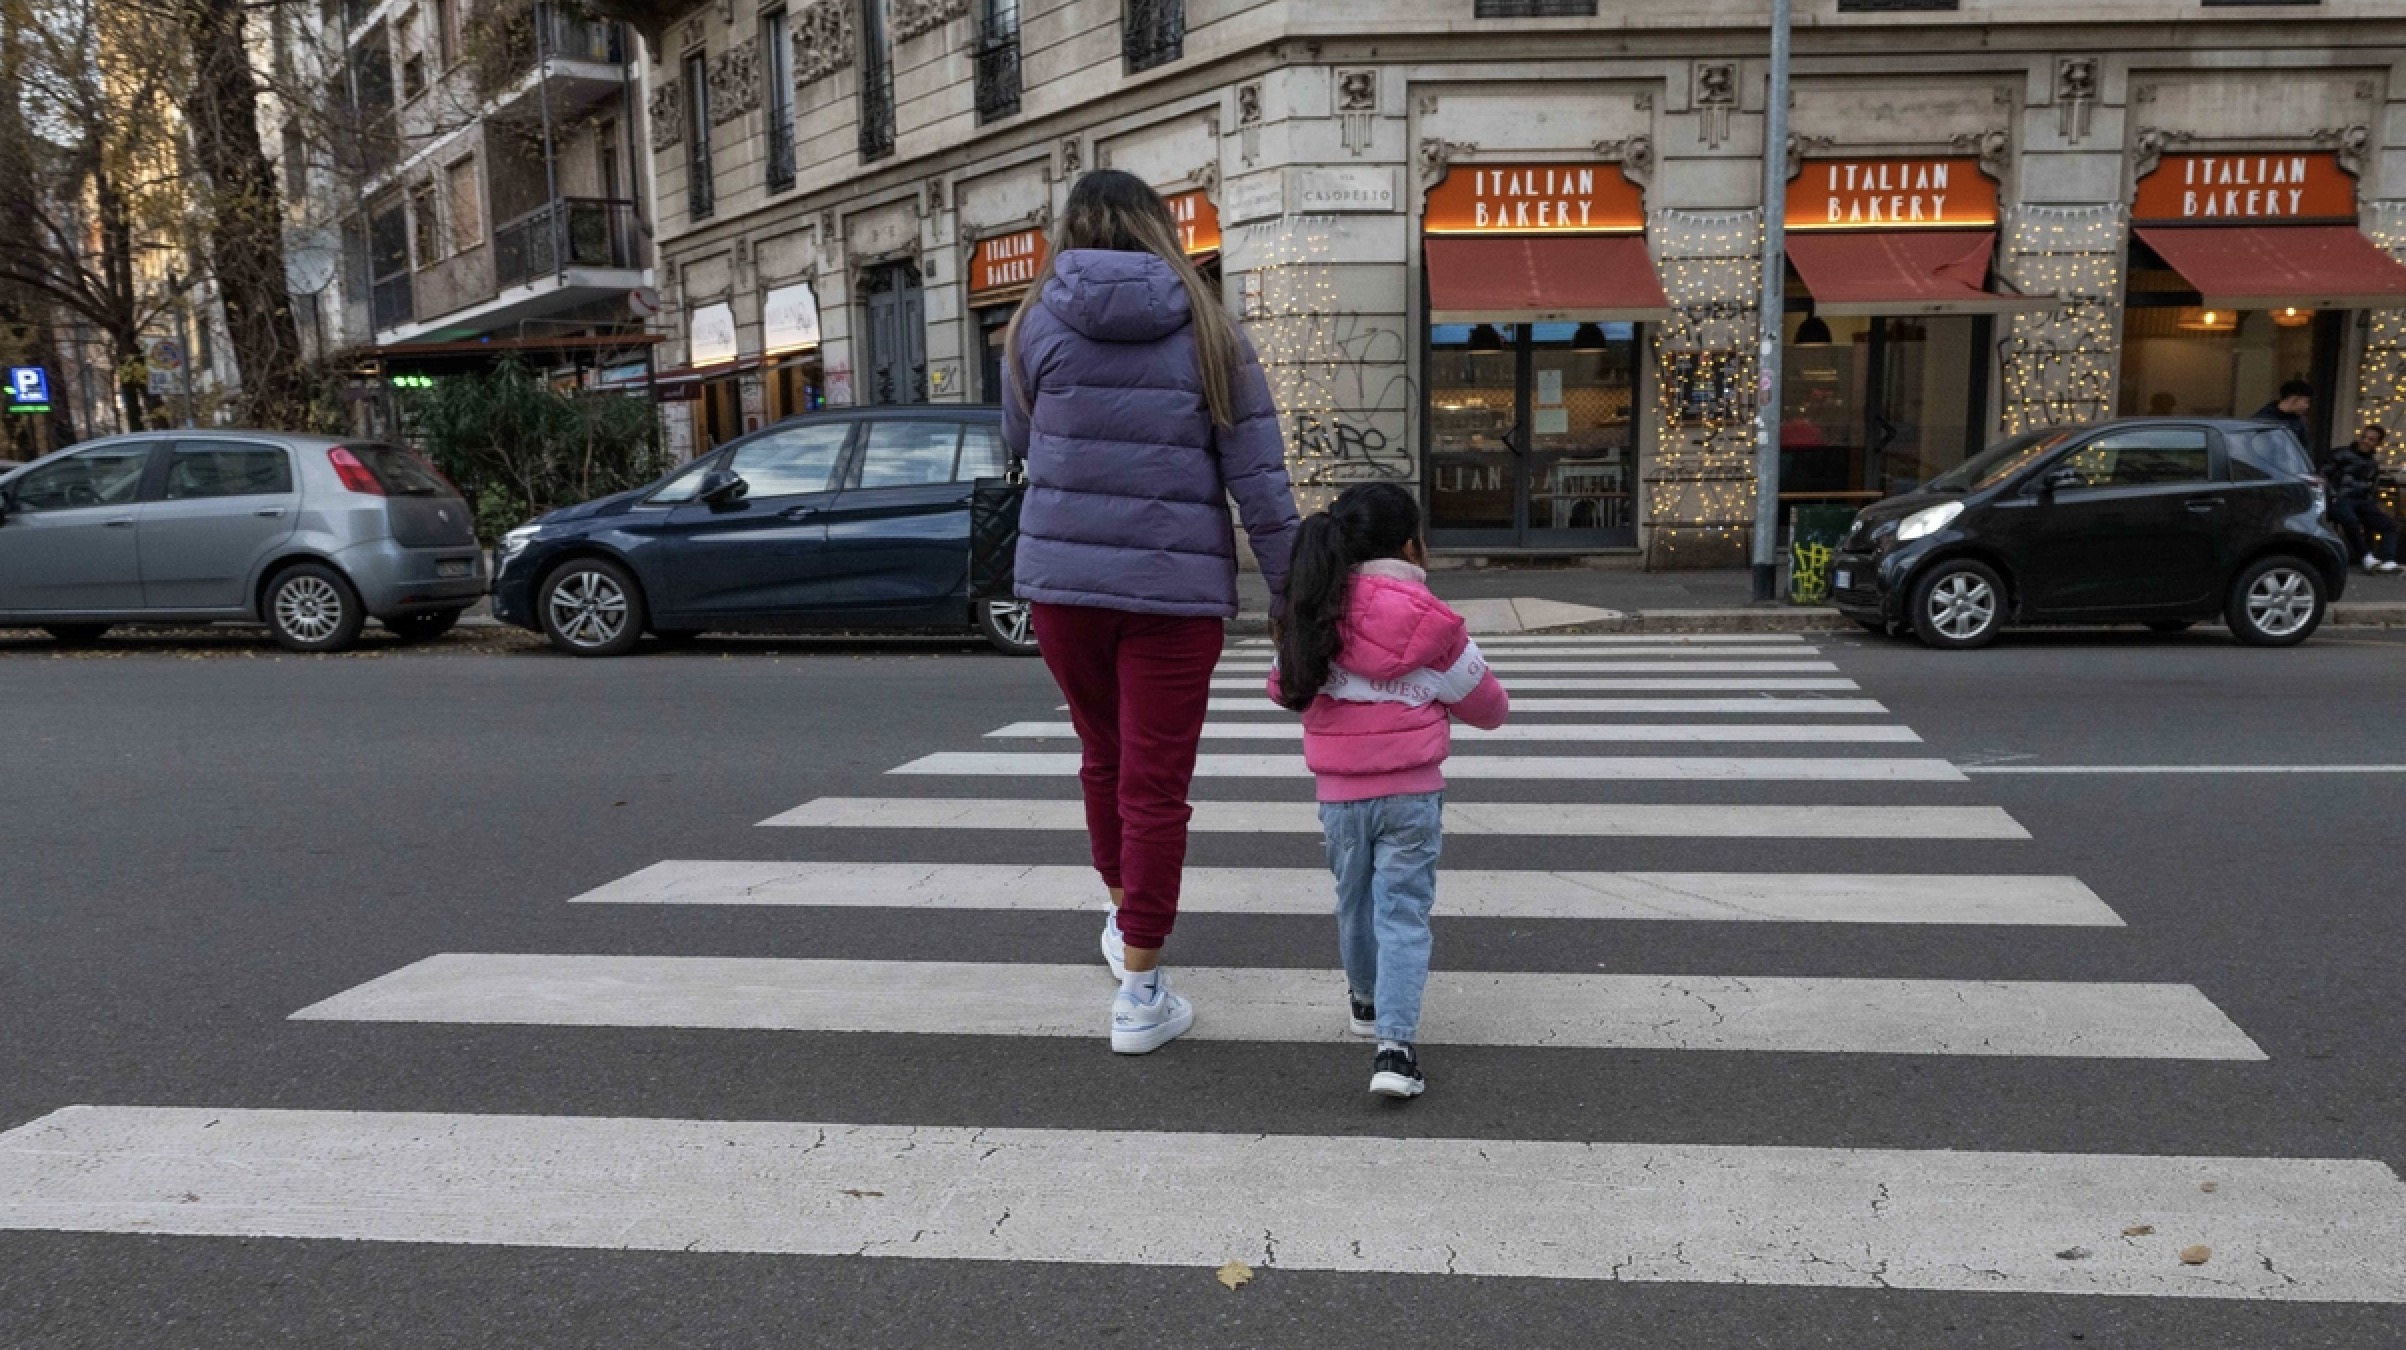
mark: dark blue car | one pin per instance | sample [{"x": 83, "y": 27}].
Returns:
[{"x": 856, "y": 519}]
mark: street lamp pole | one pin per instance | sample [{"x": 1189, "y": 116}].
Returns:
[{"x": 1774, "y": 303}]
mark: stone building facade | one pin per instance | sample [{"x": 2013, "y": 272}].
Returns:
[{"x": 1506, "y": 251}]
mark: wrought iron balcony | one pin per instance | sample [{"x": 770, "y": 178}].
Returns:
[
  {"x": 876, "y": 109},
  {"x": 997, "y": 77},
  {"x": 573, "y": 232},
  {"x": 1154, "y": 33}
]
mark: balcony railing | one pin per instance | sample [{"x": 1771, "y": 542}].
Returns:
[
  {"x": 574, "y": 232},
  {"x": 876, "y": 110},
  {"x": 997, "y": 77},
  {"x": 515, "y": 36},
  {"x": 389, "y": 302},
  {"x": 781, "y": 149},
  {"x": 1154, "y": 33}
]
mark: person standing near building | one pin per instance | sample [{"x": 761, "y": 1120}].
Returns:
[
  {"x": 2289, "y": 409},
  {"x": 2354, "y": 474},
  {"x": 1140, "y": 410}
]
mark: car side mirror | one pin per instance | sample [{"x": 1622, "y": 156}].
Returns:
[
  {"x": 2056, "y": 480},
  {"x": 723, "y": 487}
]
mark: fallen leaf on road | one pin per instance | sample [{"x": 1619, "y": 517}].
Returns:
[
  {"x": 2138, "y": 1230},
  {"x": 2197, "y": 1255},
  {"x": 2074, "y": 1254},
  {"x": 862, "y": 1195},
  {"x": 2211, "y": 1187},
  {"x": 1236, "y": 1274}
]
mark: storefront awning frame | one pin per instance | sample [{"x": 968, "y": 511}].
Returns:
[
  {"x": 1913, "y": 272},
  {"x": 2327, "y": 266},
  {"x": 1540, "y": 269}
]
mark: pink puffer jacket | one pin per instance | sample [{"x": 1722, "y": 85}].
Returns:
[{"x": 1407, "y": 649}]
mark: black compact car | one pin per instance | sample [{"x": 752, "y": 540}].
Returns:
[
  {"x": 844, "y": 520},
  {"x": 2161, "y": 521}
]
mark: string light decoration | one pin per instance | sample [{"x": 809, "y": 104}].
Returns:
[
  {"x": 1288, "y": 302},
  {"x": 2381, "y": 379},
  {"x": 2058, "y": 366},
  {"x": 1700, "y": 499}
]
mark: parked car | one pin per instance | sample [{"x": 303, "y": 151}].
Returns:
[
  {"x": 310, "y": 535},
  {"x": 857, "y": 519},
  {"x": 2162, "y": 521}
]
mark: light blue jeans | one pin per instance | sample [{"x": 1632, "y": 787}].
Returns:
[{"x": 1383, "y": 852}]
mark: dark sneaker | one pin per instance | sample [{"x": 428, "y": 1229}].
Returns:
[
  {"x": 1365, "y": 1017},
  {"x": 1396, "y": 1073}
]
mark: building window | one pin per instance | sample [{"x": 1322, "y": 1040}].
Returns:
[
  {"x": 1154, "y": 33},
  {"x": 1536, "y": 9},
  {"x": 426, "y": 225},
  {"x": 700, "y": 196},
  {"x": 446, "y": 31},
  {"x": 778, "y": 47},
  {"x": 467, "y": 212},
  {"x": 997, "y": 59},
  {"x": 876, "y": 83},
  {"x": 296, "y": 163}
]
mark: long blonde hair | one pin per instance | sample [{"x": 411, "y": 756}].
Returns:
[{"x": 1109, "y": 209}]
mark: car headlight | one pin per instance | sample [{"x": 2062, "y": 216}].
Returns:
[
  {"x": 1927, "y": 521},
  {"x": 2322, "y": 496},
  {"x": 515, "y": 542}
]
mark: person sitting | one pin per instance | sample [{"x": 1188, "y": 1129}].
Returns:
[{"x": 2355, "y": 478}]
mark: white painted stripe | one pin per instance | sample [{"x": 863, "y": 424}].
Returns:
[
  {"x": 1616, "y": 1012},
  {"x": 1686, "y": 655},
  {"x": 2184, "y": 768},
  {"x": 2291, "y": 1229},
  {"x": 1696, "y": 707},
  {"x": 1604, "y": 667},
  {"x": 1702, "y": 820},
  {"x": 1609, "y": 639},
  {"x": 1464, "y": 892},
  {"x": 1723, "y": 684},
  {"x": 1542, "y": 732},
  {"x": 1466, "y": 768}
]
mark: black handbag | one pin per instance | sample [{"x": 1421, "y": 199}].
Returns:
[{"x": 994, "y": 533}]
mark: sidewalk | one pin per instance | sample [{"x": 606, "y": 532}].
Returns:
[{"x": 1554, "y": 597}]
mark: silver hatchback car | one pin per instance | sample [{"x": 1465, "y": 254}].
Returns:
[{"x": 313, "y": 536}]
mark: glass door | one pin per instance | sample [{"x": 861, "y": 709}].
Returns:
[
  {"x": 1474, "y": 428},
  {"x": 1533, "y": 435}
]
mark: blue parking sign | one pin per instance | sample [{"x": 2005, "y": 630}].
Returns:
[{"x": 28, "y": 389}]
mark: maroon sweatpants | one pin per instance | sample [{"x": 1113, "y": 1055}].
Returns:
[{"x": 1137, "y": 685}]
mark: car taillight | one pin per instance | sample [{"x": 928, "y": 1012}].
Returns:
[{"x": 356, "y": 476}]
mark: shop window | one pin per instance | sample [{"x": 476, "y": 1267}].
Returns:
[
  {"x": 1532, "y": 433},
  {"x": 1871, "y": 406},
  {"x": 1534, "y": 9}
]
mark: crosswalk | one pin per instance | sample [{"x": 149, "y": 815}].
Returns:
[{"x": 1789, "y": 749}]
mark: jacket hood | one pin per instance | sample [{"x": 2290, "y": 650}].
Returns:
[
  {"x": 1109, "y": 296},
  {"x": 1393, "y": 627}
]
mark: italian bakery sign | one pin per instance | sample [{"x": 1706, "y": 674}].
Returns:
[
  {"x": 1573, "y": 198},
  {"x": 1006, "y": 262},
  {"x": 2203, "y": 189},
  {"x": 1887, "y": 194}
]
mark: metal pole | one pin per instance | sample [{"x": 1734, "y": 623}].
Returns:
[
  {"x": 1774, "y": 304},
  {"x": 183, "y": 333}
]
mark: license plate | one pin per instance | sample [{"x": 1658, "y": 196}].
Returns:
[
  {"x": 453, "y": 569},
  {"x": 1846, "y": 580}
]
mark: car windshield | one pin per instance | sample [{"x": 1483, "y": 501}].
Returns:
[{"x": 1998, "y": 462}]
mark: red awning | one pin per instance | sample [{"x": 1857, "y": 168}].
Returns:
[
  {"x": 1901, "y": 272},
  {"x": 1541, "y": 279},
  {"x": 2263, "y": 266}
]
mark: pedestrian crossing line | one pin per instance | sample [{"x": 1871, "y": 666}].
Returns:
[
  {"x": 1543, "y": 733},
  {"x": 1722, "y": 684},
  {"x": 1701, "y": 820},
  {"x": 1766, "y": 704},
  {"x": 1609, "y": 640},
  {"x": 2280, "y": 1229},
  {"x": 1464, "y": 893},
  {"x": 1480, "y": 767},
  {"x": 1508, "y": 666},
  {"x": 1780, "y": 1014},
  {"x": 1686, "y": 655}
]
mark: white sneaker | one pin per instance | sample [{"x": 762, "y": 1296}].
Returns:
[
  {"x": 1115, "y": 947},
  {"x": 2389, "y": 567},
  {"x": 2369, "y": 563},
  {"x": 1141, "y": 1028}
]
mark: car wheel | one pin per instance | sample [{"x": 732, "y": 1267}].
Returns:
[
  {"x": 2276, "y": 602},
  {"x": 2170, "y": 625},
  {"x": 75, "y": 634},
  {"x": 1959, "y": 604},
  {"x": 1008, "y": 624},
  {"x": 591, "y": 607},
  {"x": 312, "y": 608},
  {"x": 424, "y": 626}
]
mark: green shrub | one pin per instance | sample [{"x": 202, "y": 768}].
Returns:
[{"x": 517, "y": 447}]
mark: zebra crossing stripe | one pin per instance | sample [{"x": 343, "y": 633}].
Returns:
[
  {"x": 1766, "y": 704},
  {"x": 1609, "y": 640},
  {"x": 2280, "y": 1229},
  {"x": 1540, "y": 733},
  {"x": 1465, "y": 768},
  {"x": 1508, "y": 666},
  {"x": 1488, "y": 1008},
  {"x": 1701, "y": 820},
  {"x": 1464, "y": 893},
  {"x": 1639, "y": 684}
]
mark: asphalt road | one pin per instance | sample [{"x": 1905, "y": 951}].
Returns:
[{"x": 204, "y": 837}]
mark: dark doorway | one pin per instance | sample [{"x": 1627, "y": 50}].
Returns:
[{"x": 895, "y": 369}]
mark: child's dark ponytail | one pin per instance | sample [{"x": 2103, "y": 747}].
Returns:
[{"x": 1368, "y": 520}]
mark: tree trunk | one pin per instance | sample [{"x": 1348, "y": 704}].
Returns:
[{"x": 245, "y": 215}]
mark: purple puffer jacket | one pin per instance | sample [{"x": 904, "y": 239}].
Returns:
[{"x": 1128, "y": 481}]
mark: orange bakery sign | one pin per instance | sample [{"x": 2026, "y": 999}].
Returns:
[
  {"x": 1198, "y": 221},
  {"x": 2198, "y": 189},
  {"x": 1886, "y": 194},
  {"x": 1006, "y": 262},
  {"x": 1573, "y": 198}
]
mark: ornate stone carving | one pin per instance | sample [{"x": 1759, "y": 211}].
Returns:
[
  {"x": 2148, "y": 145},
  {"x": 666, "y": 113},
  {"x": 1994, "y": 146},
  {"x": 1715, "y": 96},
  {"x": 1357, "y": 107},
  {"x": 914, "y": 17},
  {"x": 2075, "y": 96},
  {"x": 1636, "y": 154},
  {"x": 931, "y": 197},
  {"x": 695, "y": 32},
  {"x": 1071, "y": 158},
  {"x": 822, "y": 40},
  {"x": 735, "y": 81},
  {"x": 2348, "y": 144},
  {"x": 1248, "y": 122},
  {"x": 1437, "y": 156},
  {"x": 1799, "y": 145}
]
